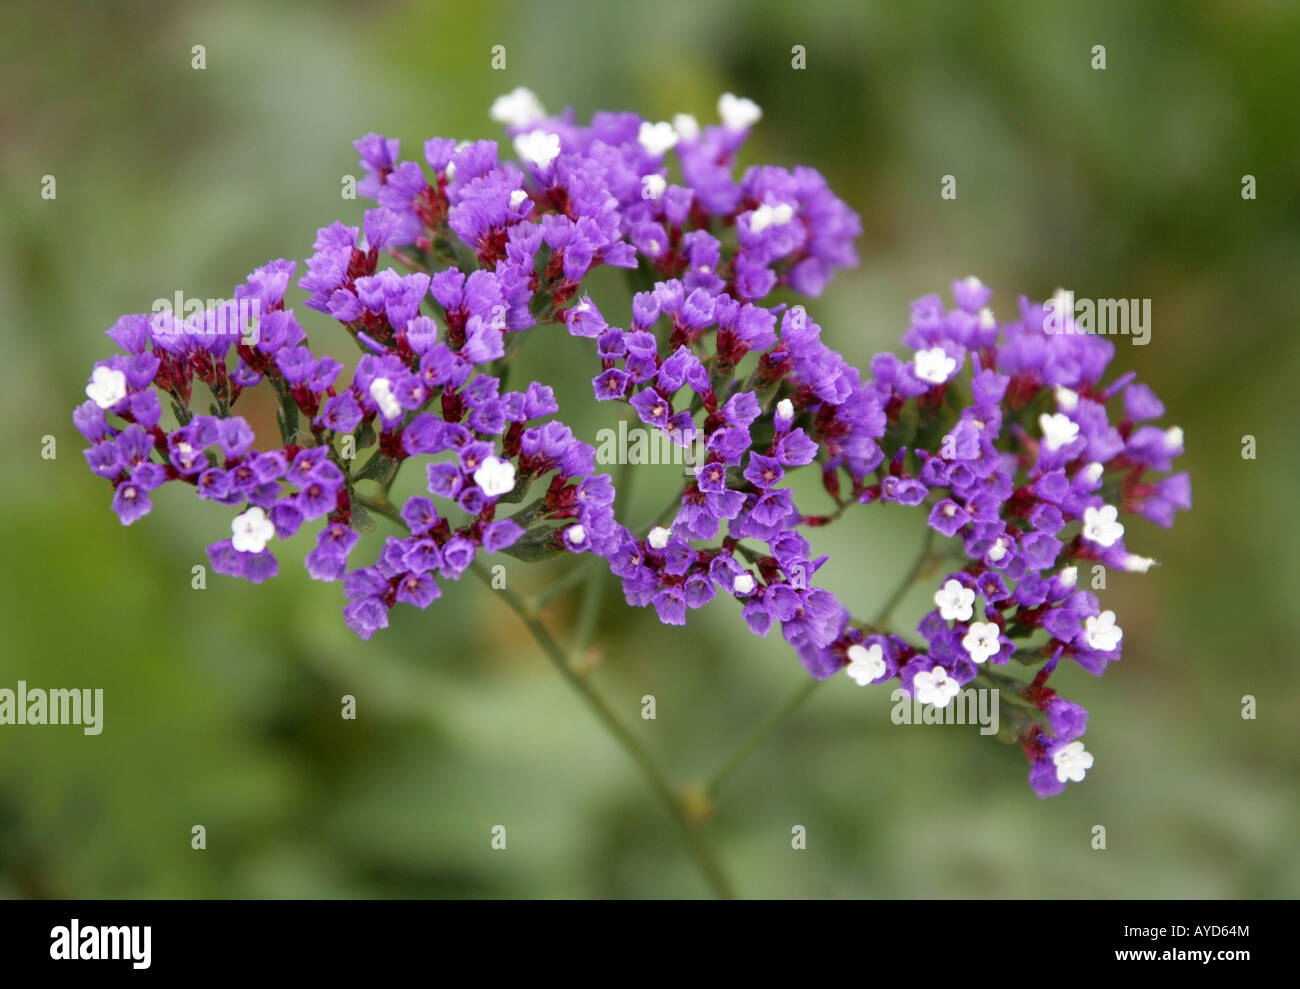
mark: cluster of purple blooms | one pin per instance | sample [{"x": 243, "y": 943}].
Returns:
[{"x": 1000, "y": 431}]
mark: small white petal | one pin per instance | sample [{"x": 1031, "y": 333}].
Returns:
[
  {"x": 658, "y": 537},
  {"x": 107, "y": 387},
  {"x": 657, "y": 139},
  {"x": 538, "y": 147},
  {"x": 743, "y": 584},
  {"x": 738, "y": 113},
  {"x": 495, "y": 476},
  {"x": 934, "y": 365},
  {"x": 517, "y": 108}
]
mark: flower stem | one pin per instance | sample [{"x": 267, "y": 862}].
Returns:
[
  {"x": 699, "y": 845},
  {"x": 922, "y": 558},
  {"x": 760, "y": 735},
  {"x": 778, "y": 717}
]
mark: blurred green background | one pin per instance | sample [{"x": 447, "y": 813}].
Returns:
[{"x": 222, "y": 705}]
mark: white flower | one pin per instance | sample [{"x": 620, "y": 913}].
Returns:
[
  {"x": 381, "y": 390},
  {"x": 575, "y": 534},
  {"x": 1066, "y": 398},
  {"x": 249, "y": 532},
  {"x": 865, "y": 663},
  {"x": 686, "y": 126},
  {"x": 538, "y": 147},
  {"x": 657, "y": 139},
  {"x": 998, "y": 550},
  {"x": 972, "y": 283},
  {"x": 935, "y": 687},
  {"x": 1058, "y": 430},
  {"x": 743, "y": 584},
  {"x": 1091, "y": 474},
  {"x": 1174, "y": 439},
  {"x": 987, "y": 319},
  {"x": 653, "y": 186},
  {"x": 1100, "y": 527},
  {"x": 517, "y": 108},
  {"x": 1102, "y": 633},
  {"x": 771, "y": 216},
  {"x": 517, "y": 198},
  {"x": 1138, "y": 564},
  {"x": 1072, "y": 762},
  {"x": 107, "y": 387},
  {"x": 658, "y": 537},
  {"x": 981, "y": 641},
  {"x": 1069, "y": 576},
  {"x": 738, "y": 113},
  {"x": 934, "y": 365},
  {"x": 955, "y": 601},
  {"x": 495, "y": 476},
  {"x": 785, "y": 409}
]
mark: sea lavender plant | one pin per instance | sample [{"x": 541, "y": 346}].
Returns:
[{"x": 999, "y": 429}]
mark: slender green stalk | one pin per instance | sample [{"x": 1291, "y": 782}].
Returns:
[
  {"x": 760, "y": 735},
  {"x": 922, "y": 558},
  {"x": 772, "y": 722},
  {"x": 695, "y": 838}
]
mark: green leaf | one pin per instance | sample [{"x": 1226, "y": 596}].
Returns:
[
  {"x": 516, "y": 494},
  {"x": 536, "y": 545},
  {"x": 379, "y": 468}
]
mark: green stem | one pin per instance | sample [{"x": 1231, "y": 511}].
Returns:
[
  {"x": 774, "y": 721},
  {"x": 695, "y": 838},
  {"x": 922, "y": 558},
  {"x": 760, "y": 735}
]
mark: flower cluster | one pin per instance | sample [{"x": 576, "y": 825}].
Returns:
[{"x": 1000, "y": 431}]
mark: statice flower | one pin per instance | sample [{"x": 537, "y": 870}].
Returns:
[{"x": 1010, "y": 437}]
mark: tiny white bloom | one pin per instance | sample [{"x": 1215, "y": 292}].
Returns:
[
  {"x": 1102, "y": 633},
  {"x": 743, "y": 584},
  {"x": 381, "y": 390},
  {"x": 987, "y": 319},
  {"x": 1092, "y": 473},
  {"x": 1100, "y": 525},
  {"x": 657, "y": 139},
  {"x": 1058, "y": 430},
  {"x": 686, "y": 126},
  {"x": 658, "y": 537},
  {"x": 1138, "y": 564},
  {"x": 575, "y": 534},
  {"x": 771, "y": 216},
  {"x": 538, "y": 147},
  {"x": 865, "y": 663},
  {"x": 934, "y": 365},
  {"x": 653, "y": 186},
  {"x": 107, "y": 387},
  {"x": 1067, "y": 399},
  {"x": 998, "y": 550},
  {"x": 1072, "y": 763},
  {"x": 250, "y": 531},
  {"x": 785, "y": 409},
  {"x": 738, "y": 113},
  {"x": 495, "y": 476},
  {"x": 955, "y": 602},
  {"x": 981, "y": 641},
  {"x": 935, "y": 687},
  {"x": 1174, "y": 438},
  {"x": 1069, "y": 576},
  {"x": 972, "y": 283},
  {"x": 517, "y": 108},
  {"x": 517, "y": 198}
]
